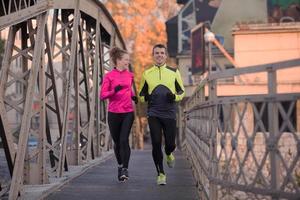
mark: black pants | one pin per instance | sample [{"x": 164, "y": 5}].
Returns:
[
  {"x": 158, "y": 127},
  {"x": 120, "y": 125}
]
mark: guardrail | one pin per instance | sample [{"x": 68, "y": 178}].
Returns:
[{"x": 248, "y": 146}]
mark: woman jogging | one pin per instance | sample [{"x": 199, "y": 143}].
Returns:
[{"x": 117, "y": 88}]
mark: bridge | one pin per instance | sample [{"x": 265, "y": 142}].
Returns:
[{"x": 56, "y": 53}]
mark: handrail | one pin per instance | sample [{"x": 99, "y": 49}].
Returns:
[
  {"x": 255, "y": 69},
  {"x": 245, "y": 144}
]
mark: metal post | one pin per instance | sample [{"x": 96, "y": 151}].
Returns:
[
  {"x": 97, "y": 66},
  {"x": 17, "y": 179},
  {"x": 213, "y": 189},
  {"x": 91, "y": 128},
  {"x": 42, "y": 130},
  {"x": 107, "y": 133},
  {"x": 68, "y": 89},
  {"x": 7, "y": 136},
  {"x": 273, "y": 131}
]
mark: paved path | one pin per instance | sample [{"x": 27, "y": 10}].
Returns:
[{"x": 101, "y": 183}]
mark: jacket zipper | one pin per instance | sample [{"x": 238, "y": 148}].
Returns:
[{"x": 159, "y": 74}]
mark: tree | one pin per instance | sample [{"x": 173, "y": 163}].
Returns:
[{"x": 142, "y": 24}]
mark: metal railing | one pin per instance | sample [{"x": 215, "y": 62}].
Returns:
[{"x": 248, "y": 146}]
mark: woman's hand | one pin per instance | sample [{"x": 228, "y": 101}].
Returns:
[
  {"x": 118, "y": 88},
  {"x": 135, "y": 99}
]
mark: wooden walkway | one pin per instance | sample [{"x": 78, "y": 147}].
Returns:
[{"x": 100, "y": 182}]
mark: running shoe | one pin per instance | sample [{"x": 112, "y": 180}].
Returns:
[
  {"x": 124, "y": 174},
  {"x": 161, "y": 179},
  {"x": 119, "y": 173},
  {"x": 170, "y": 160}
]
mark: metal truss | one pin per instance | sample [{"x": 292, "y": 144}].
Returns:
[{"x": 55, "y": 56}]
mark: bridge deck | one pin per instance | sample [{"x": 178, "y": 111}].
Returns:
[{"x": 100, "y": 182}]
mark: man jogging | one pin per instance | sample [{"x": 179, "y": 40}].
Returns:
[{"x": 161, "y": 86}]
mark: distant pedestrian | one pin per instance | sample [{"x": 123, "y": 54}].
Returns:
[{"x": 117, "y": 88}]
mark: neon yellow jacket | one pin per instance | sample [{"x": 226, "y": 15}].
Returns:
[{"x": 156, "y": 82}]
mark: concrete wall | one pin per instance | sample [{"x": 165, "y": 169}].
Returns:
[
  {"x": 184, "y": 63},
  {"x": 261, "y": 44},
  {"x": 231, "y": 12}
]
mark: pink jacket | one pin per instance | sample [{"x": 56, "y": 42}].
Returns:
[{"x": 119, "y": 102}]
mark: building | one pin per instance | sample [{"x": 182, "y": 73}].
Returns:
[
  {"x": 245, "y": 125},
  {"x": 222, "y": 16}
]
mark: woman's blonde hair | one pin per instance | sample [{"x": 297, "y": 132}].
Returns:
[{"x": 116, "y": 53}]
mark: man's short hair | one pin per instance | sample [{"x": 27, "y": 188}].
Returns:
[{"x": 159, "y": 46}]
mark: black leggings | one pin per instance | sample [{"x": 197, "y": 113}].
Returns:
[
  {"x": 168, "y": 128},
  {"x": 120, "y": 126}
]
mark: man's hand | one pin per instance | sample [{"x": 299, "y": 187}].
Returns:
[
  {"x": 147, "y": 98},
  {"x": 135, "y": 99},
  {"x": 118, "y": 88},
  {"x": 170, "y": 97}
]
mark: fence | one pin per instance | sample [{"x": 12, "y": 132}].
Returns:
[{"x": 248, "y": 146}]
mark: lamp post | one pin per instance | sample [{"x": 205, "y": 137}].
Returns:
[{"x": 209, "y": 38}]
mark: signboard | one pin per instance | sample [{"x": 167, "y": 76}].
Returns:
[{"x": 198, "y": 50}]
